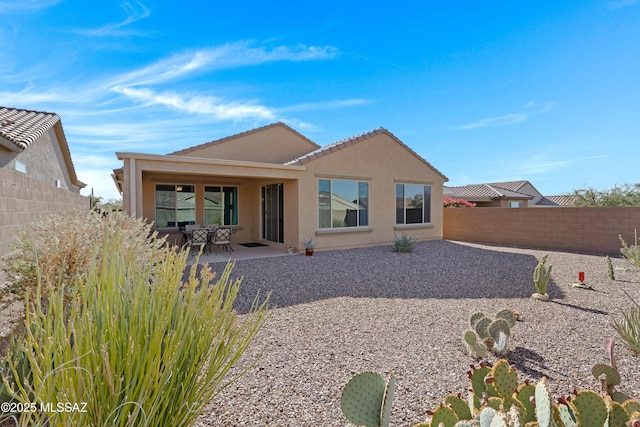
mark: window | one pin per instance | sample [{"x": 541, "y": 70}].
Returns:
[
  {"x": 175, "y": 205},
  {"x": 515, "y": 204},
  {"x": 220, "y": 205},
  {"x": 58, "y": 183},
  {"x": 342, "y": 203},
  {"x": 413, "y": 204},
  {"x": 21, "y": 167}
]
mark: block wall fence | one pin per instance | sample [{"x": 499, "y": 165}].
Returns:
[
  {"x": 588, "y": 230},
  {"x": 22, "y": 199}
]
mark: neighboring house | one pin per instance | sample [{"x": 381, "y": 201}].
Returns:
[
  {"x": 511, "y": 194},
  {"x": 274, "y": 184},
  {"x": 36, "y": 172}
]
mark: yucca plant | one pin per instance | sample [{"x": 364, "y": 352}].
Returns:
[
  {"x": 628, "y": 328},
  {"x": 403, "y": 243},
  {"x": 631, "y": 253},
  {"x": 132, "y": 340}
]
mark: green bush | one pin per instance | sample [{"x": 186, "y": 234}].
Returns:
[
  {"x": 403, "y": 243},
  {"x": 129, "y": 338}
]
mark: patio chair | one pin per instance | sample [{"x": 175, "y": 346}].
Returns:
[
  {"x": 200, "y": 238},
  {"x": 222, "y": 237}
]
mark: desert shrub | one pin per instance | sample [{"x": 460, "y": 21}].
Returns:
[
  {"x": 403, "y": 243},
  {"x": 131, "y": 339},
  {"x": 62, "y": 245},
  {"x": 628, "y": 328},
  {"x": 631, "y": 253}
]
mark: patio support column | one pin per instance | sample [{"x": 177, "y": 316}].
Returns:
[{"x": 133, "y": 178}]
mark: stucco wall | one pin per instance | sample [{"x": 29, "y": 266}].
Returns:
[
  {"x": 382, "y": 162},
  {"x": 591, "y": 230},
  {"x": 23, "y": 198}
]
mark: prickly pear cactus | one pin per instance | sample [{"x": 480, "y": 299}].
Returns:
[
  {"x": 362, "y": 398},
  {"x": 590, "y": 407},
  {"x": 459, "y": 406},
  {"x": 507, "y": 315},
  {"x": 387, "y": 401},
  {"x": 476, "y": 349},
  {"x": 444, "y": 415},
  {"x": 544, "y": 411},
  {"x": 505, "y": 379},
  {"x": 500, "y": 332}
]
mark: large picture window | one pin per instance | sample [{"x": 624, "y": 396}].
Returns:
[
  {"x": 175, "y": 205},
  {"x": 221, "y": 205},
  {"x": 342, "y": 203},
  {"x": 413, "y": 204}
]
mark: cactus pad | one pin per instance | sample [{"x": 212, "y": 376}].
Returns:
[
  {"x": 459, "y": 406},
  {"x": 362, "y": 397},
  {"x": 543, "y": 404},
  {"x": 475, "y": 317},
  {"x": 482, "y": 327},
  {"x": 499, "y": 331},
  {"x": 590, "y": 408},
  {"x": 486, "y": 416},
  {"x": 445, "y": 415},
  {"x": 507, "y": 315},
  {"x": 499, "y": 420},
  {"x": 506, "y": 379},
  {"x": 618, "y": 416},
  {"x": 609, "y": 373},
  {"x": 565, "y": 416},
  {"x": 523, "y": 395},
  {"x": 387, "y": 401}
]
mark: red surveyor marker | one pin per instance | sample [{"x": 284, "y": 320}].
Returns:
[{"x": 581, "y": 276}]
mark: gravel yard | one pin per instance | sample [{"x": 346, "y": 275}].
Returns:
[{"x": 341, "y": 312}]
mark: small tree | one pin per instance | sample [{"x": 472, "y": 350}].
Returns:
[{"x": 625, "y": 195}]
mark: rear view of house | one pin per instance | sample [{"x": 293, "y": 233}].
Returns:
[{"x": 275, "y": 185}]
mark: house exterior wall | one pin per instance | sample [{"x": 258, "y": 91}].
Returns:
[
  {"x": 591, "y": 230},
  {"x": 43, "y": 160},
  {"x": 23, "y": 198},
  {"x": 382, "y": 162},
  {"x": 274, "y": 145}
]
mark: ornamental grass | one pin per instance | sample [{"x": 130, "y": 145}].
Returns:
[{"x": 128, "y": 340}]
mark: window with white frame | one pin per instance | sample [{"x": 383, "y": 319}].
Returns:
[
  {"x": 221, "y": 205},
  {"x": 515, "y": 204},
  {"x": 20, "y": 167},
  {"x": 175, "y": 205},
  {"x": 413, "y": 204},
  {"x": 342, "y": 203}
]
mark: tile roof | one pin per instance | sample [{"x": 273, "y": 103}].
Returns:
[
  {"x": 562, "y": 200},
  {"x": 510, "y": 185},
  {"x": 484, "y": 191},
  {"x": 22, "y": 127},
  {"x": 249, "y": 132},
  {"x": 339, "y": 145}
]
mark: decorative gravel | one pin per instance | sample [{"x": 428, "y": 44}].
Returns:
[{"x": 341, "y": 312}]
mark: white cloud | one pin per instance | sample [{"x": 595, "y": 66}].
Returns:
[
  {"x": 229, "y": 55},
  {"x": 505, "y": 120},
  {"x": 326, "y": 105},
  {"x": 116, "y": 29},
  {"x": 532, "y": 108},
  {"x": 206, "y": 105}
]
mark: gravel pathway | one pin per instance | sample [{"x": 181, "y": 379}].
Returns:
[{"x": 341, "y": 312}]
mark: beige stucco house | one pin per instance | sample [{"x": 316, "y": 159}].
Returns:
[{"x": 275, "y": 185}]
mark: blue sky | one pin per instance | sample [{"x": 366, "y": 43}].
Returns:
[{"x": 547, "y": 91}]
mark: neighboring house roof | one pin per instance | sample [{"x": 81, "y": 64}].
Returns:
[
  {"x": 484, "y": 192},
  {"x": 339, "y": 145},
  {"x": 510, "y": 185},
  {"x": 562, "y": 200},
  {"x": 249, "y": 132},
  {"x": 22, "y": 127}
]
